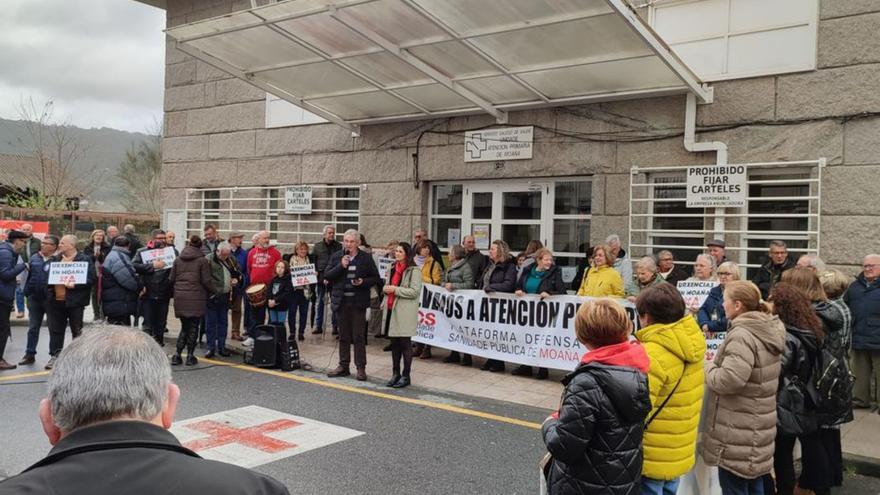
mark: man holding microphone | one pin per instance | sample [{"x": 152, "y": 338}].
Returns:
[{"x": 351, "y": 272}]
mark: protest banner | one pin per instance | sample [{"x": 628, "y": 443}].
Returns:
[
  {"x": 62, "y": 273},
  {"x": 523, "y": 330},
  {"x": 165, "y": 254},
  {"x": 695, "y": 292},
  {"x": 303, "y": 275}
]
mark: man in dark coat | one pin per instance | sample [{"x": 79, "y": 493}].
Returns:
[
  {"x": 36, "y": 290},
  {"x": 103, "y": 437},
  {"x": 352, "y": 272},
  {"x": 770, "y": 273},
  {"x": 156, "y": 293},
  {"x": 9, "y": 270},
  {"x": 667, "y": 268},
  {"x": 474, "y": 257},
  {"x": 321, "y": 254},
  {"x": 134, "y": 242},
  {"x": 67, "y": 302},
  {"x": 863, "y": 298}
]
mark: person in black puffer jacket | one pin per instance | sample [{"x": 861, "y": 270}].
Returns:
[
  {"x": 498, "y": 276},
  {"x": 280, "y": 293},
  {"x": 121, "y": 286},
  {"x": 833, "y": 322},
  {"x": 595, "y": 439},
  {"x": 797, "y": 416}
]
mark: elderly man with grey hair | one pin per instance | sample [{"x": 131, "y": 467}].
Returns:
[
  {"x": 770, "y": 272},
  {"x": 811, "y": 261},
  {"x": 622, "y": 262},
  {"x": 351, "y": 272},
  {"x": 67, "y": 300},
  {"x": 103, "y": 436},
  {"x": 226, "y": 277}
]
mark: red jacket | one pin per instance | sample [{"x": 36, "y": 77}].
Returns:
[{"x": 261, "y": 264}]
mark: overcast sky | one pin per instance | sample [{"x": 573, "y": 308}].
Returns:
[{"x": 100, "y": 61}]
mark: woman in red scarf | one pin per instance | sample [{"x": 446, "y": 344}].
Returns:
[{"x": 402, "y": 287}]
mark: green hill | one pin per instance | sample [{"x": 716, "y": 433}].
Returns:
[{"x": 105, "y": 150}]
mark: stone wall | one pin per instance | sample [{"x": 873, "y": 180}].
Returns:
[{"x": 216, "y": 136}]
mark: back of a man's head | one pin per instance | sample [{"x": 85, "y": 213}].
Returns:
[{"x": 110, "y": 372}]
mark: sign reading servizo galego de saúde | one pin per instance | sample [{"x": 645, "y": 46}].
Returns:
[
  {"x": 524, "y": 330},
  {"x": 716, "y": 186},
  {"x": 298, "y": 200}
]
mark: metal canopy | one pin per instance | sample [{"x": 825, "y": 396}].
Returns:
[{"x": 371, "y": 61}]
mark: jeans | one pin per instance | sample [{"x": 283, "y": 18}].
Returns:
[
  {"x": 322, "y": 292},
  {"x": 59, "y": 317},
  {"x": 298, "y": 304},
  {"x": 19, "y": 300},
  {"x": 156, "y": 318},
  {"x": 36, "y": 312},
  {"x": 5, "y": 328},
  {"x": 732, "y": 484},
  {"x": 277, "y": 317},
  {"x": 659, "y": 487},
  {"x": 217, "y": 321}
]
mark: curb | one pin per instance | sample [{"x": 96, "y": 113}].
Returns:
[{"x": 865, "y": 466}]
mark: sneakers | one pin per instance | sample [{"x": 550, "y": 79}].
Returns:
[
  {"x": 248, "y": 342},
  {"x": 7, "y": 366},
  {"x": 51, "y": 363},
  {"x": 210, "y": 354},
  {"x": 27, "y": 359}
]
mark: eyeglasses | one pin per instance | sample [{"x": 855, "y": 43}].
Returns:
[
  {"x": 724, "y": 273},
  {"x": 869, "y": 267}
]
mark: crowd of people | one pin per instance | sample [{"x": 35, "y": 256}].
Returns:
[{"x": 784, "y": 333}]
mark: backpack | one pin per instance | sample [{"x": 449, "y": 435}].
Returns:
[{"x": 834, "y": 383}]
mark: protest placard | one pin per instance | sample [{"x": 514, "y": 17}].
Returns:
[
  {"x": 62, "y": 273},
  {"x": 695, "y": 292},
  {"x": 303, "y": 275},
  {"x": 165, "y": 254}
]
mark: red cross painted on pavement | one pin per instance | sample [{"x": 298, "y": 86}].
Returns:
[{"x": 254, "y": 436}]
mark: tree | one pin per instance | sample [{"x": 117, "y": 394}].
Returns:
[
  {"x": 141, "y": 176},
  {"x": 55, "y": 178}
]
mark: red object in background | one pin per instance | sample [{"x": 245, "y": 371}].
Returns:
[{"x": 40, "y": 228}]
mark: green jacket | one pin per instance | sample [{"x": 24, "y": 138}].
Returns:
[{"x": 404, "y": 314}]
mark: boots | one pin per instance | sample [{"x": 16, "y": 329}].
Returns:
[
  {"x": 426, "y": 352},
  {"x": 339, "y": 371},
  {"x": 453, "y": 357},
  {"x": 176, "y": 360},
  {"x": 466, "y": 360}
]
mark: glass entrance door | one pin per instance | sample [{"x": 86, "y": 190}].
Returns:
[{"x": 513, "y": 212}]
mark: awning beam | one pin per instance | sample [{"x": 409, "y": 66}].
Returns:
[
  {"x": 362, "y": 29},
  {"x": 221, "y": 65}
]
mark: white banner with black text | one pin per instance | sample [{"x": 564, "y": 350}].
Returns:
[{"x": 524, "y": 330}]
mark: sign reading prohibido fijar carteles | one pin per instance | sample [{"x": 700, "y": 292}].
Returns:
[
  {"x": 716, "y": 186},
  {"x": 298, "y": 200}
]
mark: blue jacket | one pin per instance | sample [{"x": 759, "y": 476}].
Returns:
[
  {"x": 120, "y": 285},
  {"x": 241, "y": 257},
  {"x": 38, "y": 278},
  {"x": 9, "y": 269},
  {"x": 864, "y": 303},
  {"x": 714, "y": 305}
]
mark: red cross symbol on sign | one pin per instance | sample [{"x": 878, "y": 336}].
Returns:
[{"x": 254, "y": 436}]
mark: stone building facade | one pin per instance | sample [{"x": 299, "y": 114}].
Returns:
[{"x": 216, "y": 137}]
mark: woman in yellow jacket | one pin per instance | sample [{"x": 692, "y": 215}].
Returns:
[
  {"x": 601, "y": 280},
  {"x": 431, "y": 274},
  {"x": 677, "y": 348}
]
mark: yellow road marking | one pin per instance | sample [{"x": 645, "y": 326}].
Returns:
[
  {"x": 8, "y": 378},
  {"x": 381, "y": 395}
]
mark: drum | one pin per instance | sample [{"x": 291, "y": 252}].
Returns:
[{"x": 256, "y": 295}]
